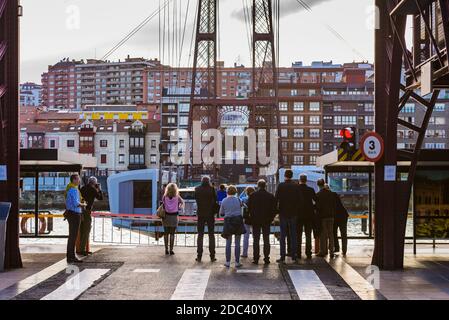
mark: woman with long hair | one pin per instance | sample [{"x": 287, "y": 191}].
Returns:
[{"x": 172, "y": 204}]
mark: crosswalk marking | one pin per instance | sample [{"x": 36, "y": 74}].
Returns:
[
  {"x": 360, "y": 285},
  {"x": 192, "y": 285},
  {"x": 76, "y": 285},
  {"x": 249, "y": 271},
  {"x": 308, "y": 285},
  {"x": 147, "y": 270},
  {"x": 32, "y": 280}
]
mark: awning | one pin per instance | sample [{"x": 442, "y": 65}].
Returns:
[{"x": 54, "y": 160}]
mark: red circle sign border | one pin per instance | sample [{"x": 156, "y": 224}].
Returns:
[{"x": 382, "y": 147}]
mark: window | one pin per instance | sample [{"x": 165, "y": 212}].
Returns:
[
  {"x": 136, "y": 142},
  {"x": 103, "y": 159},
  {"x": 284, "y": 145},
  {"x": 314, "y": 106},
  {"x": 121, "y": 158},
  {"x": 408, "y": 108},
  {"x": 153, "y": 144},
  {"x": 284, "y": 133},
  {"x": 298, "y": 160},
  {"x": 369, "y": 120},
  {"x": 298, "y": 146},
  {"x": 284, "y": 120},
  {"x": 103, "y": 143},
  {"x": 298, "y": 133},
  {"x": 440, "y": 107},
  {"x": 121, "y": 143},
  {"x": 153, "y": 159},
  {"x": 283, "y": 106},
  {"x": 298, "y": 120},
  {"x": 70, "y": 143},
  {"x": 315, "y": 120},
  {"x": 313, "y": 159},
  {"x": 369, "y": 107},
  {"x": 337, "y": 108},
  {"x": 52, "y": 144},
  {"x": 142, "y": 194},
  {"x": 298, "y": 106},
  {"x": 345, "y": 120},
  {"x": 314, "y": 146},
  {"x": 315, "y": 133}
]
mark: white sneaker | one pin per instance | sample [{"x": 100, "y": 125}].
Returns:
[
  {"x": 238, "y": 264},
  {"x": 227, "y": 264}
]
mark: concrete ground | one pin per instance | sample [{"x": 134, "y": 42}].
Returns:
[{"x": 145, "y": 273}]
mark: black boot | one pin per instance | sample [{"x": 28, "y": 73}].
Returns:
[
  {"x": 172, "y": 243},
  {"x": 166, "y": 243}
]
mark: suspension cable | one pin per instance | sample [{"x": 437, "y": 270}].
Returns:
[{"x": 134, "y": 31}]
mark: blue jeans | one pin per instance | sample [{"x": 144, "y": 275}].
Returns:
[
  {"x": 288, "y": 225},
  {"x": 246, "y": 240},
  {"x": 237, "y": 248}
]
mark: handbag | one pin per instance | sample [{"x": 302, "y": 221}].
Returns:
[{"x": 161, "y": 210}]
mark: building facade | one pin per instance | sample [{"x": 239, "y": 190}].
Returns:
[
  {"x": 113, "y": 144},
  {"x": 30, "y": 94}
]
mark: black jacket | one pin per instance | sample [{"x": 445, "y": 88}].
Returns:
[
  {"x": 233, "y": 225},
  {"x": 262, "y": 208},
  {"x": 326, "y": 204},
  {"x": 288, "y": 199},
  {"x": 89, "y": 194},
  {"x": 340, "y": 211},
  {"x": 307, "y": 211},
  {"x": 206, "y": 200}
]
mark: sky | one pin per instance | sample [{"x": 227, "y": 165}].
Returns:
[{"x": 337, "y": 30}]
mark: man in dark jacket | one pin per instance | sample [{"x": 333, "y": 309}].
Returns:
[
  {"x": 306, "y": 216},
  {"x": 289, "y": 201},
  {"x": 262, "y": 209},
  {"x": 326, "y": 207},
  {"x": 206, "y": 201},
  {"x": 90, "y": 193},
  {"x": 341, "y": 222}
]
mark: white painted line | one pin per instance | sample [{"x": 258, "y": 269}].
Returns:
[
  {"x": 76, "y": 285},
  {"x": 359, "y": 284},
  {"x": 147, "y": 270},
  {"x": 33, "y": 280},
  {"x": 192, "y": 285},
  {"x": 308, "y": 285},
  {"x": 249, "y": 271}
]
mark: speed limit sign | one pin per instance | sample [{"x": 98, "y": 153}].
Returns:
[{"x": 372, "y": 146}]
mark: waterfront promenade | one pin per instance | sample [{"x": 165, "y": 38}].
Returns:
[{"x": 141, "y": 272}]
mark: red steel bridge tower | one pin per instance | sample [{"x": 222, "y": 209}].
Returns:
[
  {"x": 426, "y": 72},
  {"x": 261, "y": 108}
]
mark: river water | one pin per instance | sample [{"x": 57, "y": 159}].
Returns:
[{"x": 103, "y": 232}]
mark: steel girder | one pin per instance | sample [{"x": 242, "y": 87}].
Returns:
[
  {"x": 393, "y": 90},
  {"x": 9, "y": 124}
]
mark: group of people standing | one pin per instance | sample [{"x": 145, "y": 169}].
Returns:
[
  {"x": 300, "y": 210},
  {"x": 79, "y": 204}
]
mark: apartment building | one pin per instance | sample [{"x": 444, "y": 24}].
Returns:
[
  {"x": 103, "y": 82},
  {"x": 30, "y": 94},
  {"x": 117, "y": 146},
  {"x": 59, "y": 85}
]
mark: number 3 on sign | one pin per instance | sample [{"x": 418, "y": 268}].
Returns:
[{"x": 372, "y": 146}]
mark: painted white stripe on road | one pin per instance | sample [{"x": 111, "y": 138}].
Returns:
[
  {"x": 248, "y": 271},
  {"x": 147, "y": 270},
  {"x": 308, "y": 285},
  {"x": 76, "y": 285},
  {"x": 359, "y": 284},
  {"x": 32, "y": 280},
  {"x": 192, "y": 285}
]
